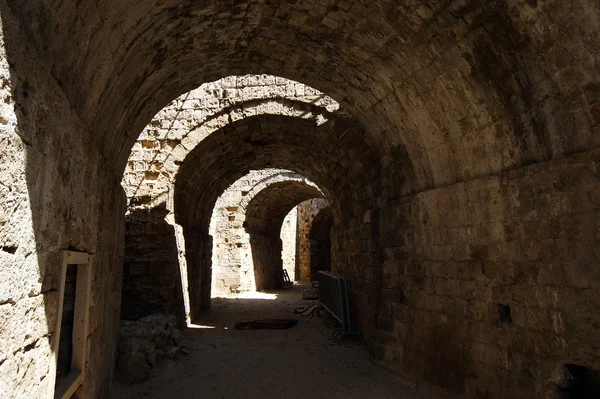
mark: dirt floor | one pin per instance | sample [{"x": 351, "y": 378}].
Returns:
[{"x": 299, "y": 362}]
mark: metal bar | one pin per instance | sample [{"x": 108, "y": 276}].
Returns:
[{"x": 333, "y": 296}]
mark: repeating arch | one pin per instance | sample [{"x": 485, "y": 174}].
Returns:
[
  {"x": 330, "y": 154},
  {"x": 252, "y": 210},
  {"x": 463, "y": 185}
]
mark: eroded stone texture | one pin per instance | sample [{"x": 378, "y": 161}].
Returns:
[
  {"x": 154, "y": 266},
  {"x": 482, "y": 271},
  {"x": 478, "y": 191},
  {"x": 51, "y": 186},
  {"x": 496, "y": 274},
  {"x": 141, "y": 342}
]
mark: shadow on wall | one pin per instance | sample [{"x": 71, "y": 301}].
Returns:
[
  {"x": 198, "y": 254},
  {"x": 319, "y": 238},
  {"x": 57, "y": 192},
  {"x": 266, "y": 257},
  {"x": 151, "y": 272}
]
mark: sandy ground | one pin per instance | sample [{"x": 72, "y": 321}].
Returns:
[{"x": 299, "y": 362}]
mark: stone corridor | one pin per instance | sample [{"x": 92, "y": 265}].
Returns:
[{"x": 441, "y": 156}]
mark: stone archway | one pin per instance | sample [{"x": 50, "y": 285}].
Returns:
[
  {"x": 201, "y": 118},
  {"x": 236, "y": 221},
  {"x": 327, "y": 153},
  {"x": 481, "y": 120},
  {"x": 264, "y": 216}
]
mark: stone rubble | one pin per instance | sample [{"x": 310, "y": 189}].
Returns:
[{"x": 144, "y": 342}]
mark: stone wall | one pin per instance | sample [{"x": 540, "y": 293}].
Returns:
[
  {"x": 319, "y": 238},
  {"x": 232, "y": 256},
  {"x": 491, "y": 286},
  {"x": 155, "y": 255},
  {"x": 288, "y": 241},
  {"x": 54, "y": 195},
  {"x": 356, "y": 255},
  {"x": 306, "y": 215},
  {"x": 151, "y": 269}
]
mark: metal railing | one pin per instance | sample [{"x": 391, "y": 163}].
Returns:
[{"x": 333, "y": 296}]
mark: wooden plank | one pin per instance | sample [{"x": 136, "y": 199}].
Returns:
[
  {"x": 310, "y": 310},
  {"x": 80, "y": 316},
  {"x": 76, "y": 258},
  {"x": 80, "y": 325},
  {"x": 56, "y": 333},
  {"x": 68, "y": 387}
]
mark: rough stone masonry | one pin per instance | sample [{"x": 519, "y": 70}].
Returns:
[{"x": 463, "y": 172}]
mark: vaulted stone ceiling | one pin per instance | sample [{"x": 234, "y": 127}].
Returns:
[
  {"x": 465, "y": 88},
  {"x": 268, "y": 208},
  {"x": 331, "y": 155}
]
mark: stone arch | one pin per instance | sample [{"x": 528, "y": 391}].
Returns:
[
  {"x": 233, "y": 265},
  {"x": 199, "y": 118},
  {"x": 186, "y": 121},
  {"x": 331, "y": 154},
  {"x": 264, "y": 215},
  {"x": 484, "y": 116},
  {"x": 263, "y": 184},
  {"x": 413, "y": 74}
]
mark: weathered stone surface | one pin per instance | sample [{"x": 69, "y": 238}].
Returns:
[
  {"x": 236, "y": 266},
  {"x": 475, "y": 148},
  {"x": 51, "y": 182},
  {"x": 486, "y": 270},
  {"x": 141, "y": 341},
  {"x": 307, "y": 212}
]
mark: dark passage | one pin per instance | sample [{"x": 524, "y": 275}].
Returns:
[{"x": 581, "y": 383}]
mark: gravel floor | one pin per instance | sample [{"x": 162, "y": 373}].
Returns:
[{"x": 300, "y": 362}]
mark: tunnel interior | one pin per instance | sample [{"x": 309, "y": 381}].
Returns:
[{"x": 456, "y": 143}]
